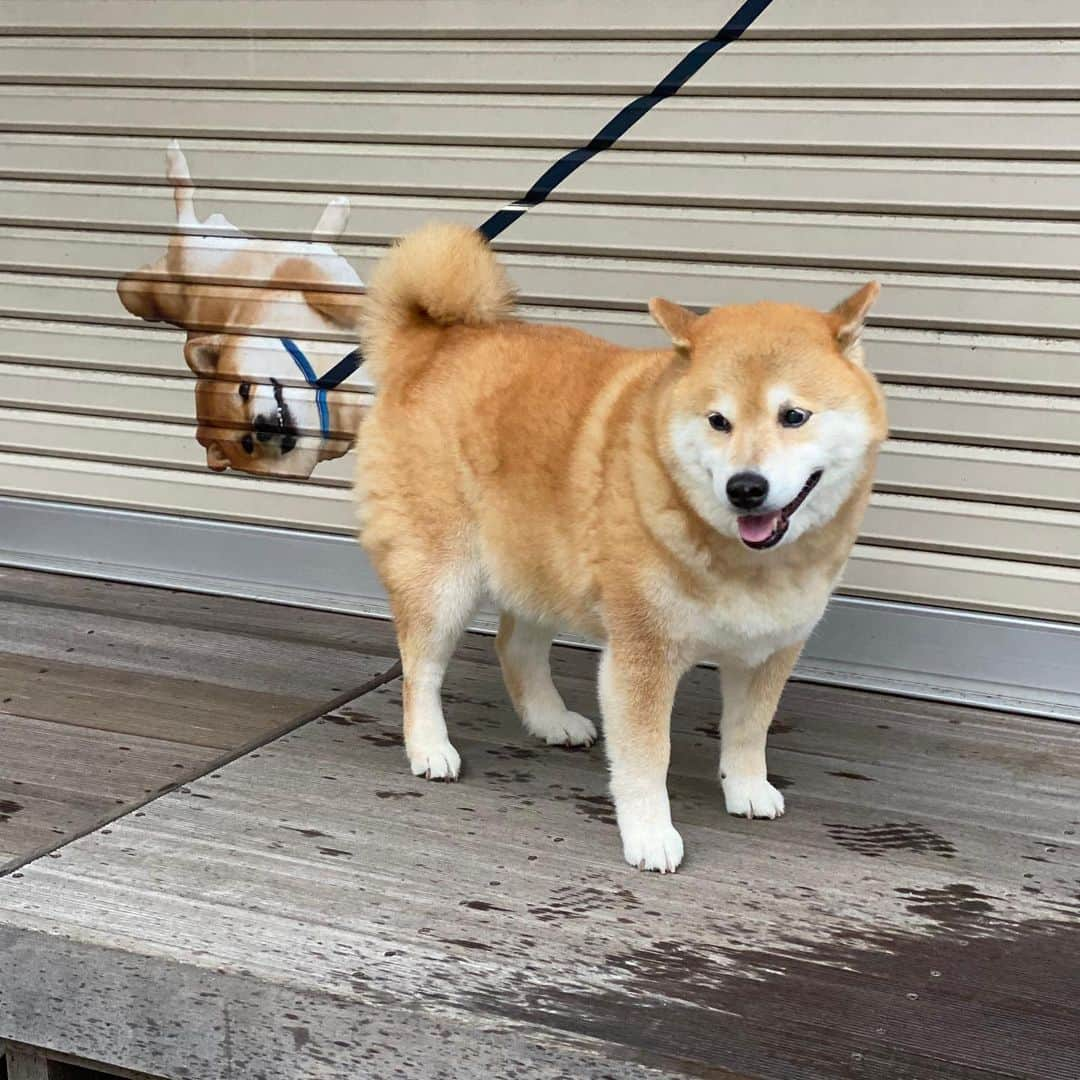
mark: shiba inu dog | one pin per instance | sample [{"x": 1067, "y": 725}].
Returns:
[
  {"x": 261, "y": 317},
  {"x": 686, "y": 504}
]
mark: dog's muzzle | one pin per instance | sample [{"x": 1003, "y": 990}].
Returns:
[{"x": 277, "y": 426}]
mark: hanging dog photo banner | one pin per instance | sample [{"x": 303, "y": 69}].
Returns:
[
  {"x": 278, "y": 385},
  {"x": 270, "y": 333}
]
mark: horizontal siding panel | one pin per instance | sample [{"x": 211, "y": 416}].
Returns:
[
  {"x": 1020, "y": 477},
  {"x": 962, "y": 581},
  {"x": 999, "y": 69},
  {"x": 92, "y": 438},
  {"x": 145, "y": 348},
  {"x": 1020, "y": 189},
  {"x": 1004, "y": 305},
  {"x": 556, "y": 18},
  {"x": 1023, "y": 533},
  {"x": 1043, "y": 129},
  {"x": 872, "y": 242},
  {"x": 901, "y": 356},
  {"x": 924, "y": 301},
  {"x": 1023, "y": 478},
  {"x": 226, "y": 497},
  {"x": 986, "y": 418}
]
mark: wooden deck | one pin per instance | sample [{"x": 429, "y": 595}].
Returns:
[
  {"x": 310, "y": 910},
  {"x": 110, "y": 694}
]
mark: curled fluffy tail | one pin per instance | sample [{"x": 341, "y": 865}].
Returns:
[{"x": 440, "y": 275}]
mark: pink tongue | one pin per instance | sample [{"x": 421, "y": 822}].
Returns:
[{"x": 757, "y": 527}]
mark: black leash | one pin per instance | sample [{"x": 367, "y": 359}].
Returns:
[
  {"x": 604, "y": 139},
  {"x": 626, "y": 118}
]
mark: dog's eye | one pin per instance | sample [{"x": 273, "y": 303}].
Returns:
[
  {"x": 794, "y": 417},
  {"x": 245, "y": 390},
  {"x": 719, "y": 422},
  {"x": 248, "y": 443}
]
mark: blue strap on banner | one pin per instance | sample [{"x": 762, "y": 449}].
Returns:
[
  {"x": 304, "y": 364},
  {"x": 604, "y": 139},
  {"x": 626, "y": 118}
]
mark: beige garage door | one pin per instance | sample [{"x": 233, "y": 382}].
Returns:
[{"x": 933, "y": 145}]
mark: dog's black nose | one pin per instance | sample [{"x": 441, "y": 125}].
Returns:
[
  {"x": 747, "y": 490},
  {"x": 264, "y": 429}
]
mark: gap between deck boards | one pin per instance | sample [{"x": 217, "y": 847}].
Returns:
[{"x": 336, "y": 702}]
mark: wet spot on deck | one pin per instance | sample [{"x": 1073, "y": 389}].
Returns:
[
  {"x": 950, "y": 905},
  {"x": 596, "y": 807},
  {"x": 579, "y": 901},
  {"x": 383, "y": 738},
  {"x": 512, "y": 753},
  {"x": 877, "y": 840},
  {"x": 311, "y": 834}
]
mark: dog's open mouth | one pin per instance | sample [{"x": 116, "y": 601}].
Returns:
[{"x": 760, "y": 531}]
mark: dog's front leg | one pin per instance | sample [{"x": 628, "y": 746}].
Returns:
[
  {"x": 637, "y": 688},
  {"x": 751, "y": 695}
]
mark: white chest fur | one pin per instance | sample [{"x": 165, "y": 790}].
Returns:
[{"x": 745, "y": 620}]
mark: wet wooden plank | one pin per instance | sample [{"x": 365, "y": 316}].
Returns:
[
  {"x": 316, "y": 911},
  {"x": 169, "y": 607},
  {"x": 108, "y": 694}
]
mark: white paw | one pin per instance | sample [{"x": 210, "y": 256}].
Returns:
[
  {"x": 752, "y": 797},
  {"x": 652, "y": 847},
  {"x": 563, "y": 729},
  {"x": 439, "y": 761}
]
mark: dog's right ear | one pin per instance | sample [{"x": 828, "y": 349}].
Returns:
[
  {"x": 676, "y": 320},
  {"x": 203, "y": 353}
]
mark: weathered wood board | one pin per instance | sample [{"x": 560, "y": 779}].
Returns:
[
  {"x": 313, "y": 911},
  {"x": 109, "y": 693}
]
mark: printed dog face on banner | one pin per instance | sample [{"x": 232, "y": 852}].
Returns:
[{"x": 264, "y": 320}]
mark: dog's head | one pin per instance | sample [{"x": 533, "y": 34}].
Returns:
[
  {"x": 256, "y": 409},
  {"x": 772, "y": 420}
]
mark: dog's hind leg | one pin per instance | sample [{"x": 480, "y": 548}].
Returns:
[
  {"x": 179, "y": 175},
  {"x": 524, "y": 649},
  {"x": 430, "y": 615},
  {"x": 332, "y": 221}
]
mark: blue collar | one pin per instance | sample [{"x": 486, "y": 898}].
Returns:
[{"x": 320, "y": 384}]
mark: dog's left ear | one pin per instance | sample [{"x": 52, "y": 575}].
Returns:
[
  {"x": 849, "y": 316},
  {"x": 203, "y": 353},
  {"x": 676, "y": 320}
]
